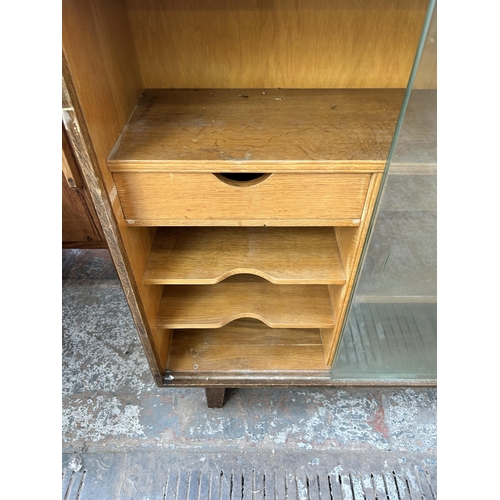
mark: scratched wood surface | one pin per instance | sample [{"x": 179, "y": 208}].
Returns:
[
  {"x": 209, "y": 255},
  {"x": 220, "y": 130},
  {"x": 245, "y": 345},
  {"x": 277, "y": 306},
  {"x": 114, "y": 49}
]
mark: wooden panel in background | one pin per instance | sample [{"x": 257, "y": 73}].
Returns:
[
  {"x": 289, "y": 256},
  {"x": 78, "y": 223},
  {"x": 283, "y": 43},
  {"x": 213, "y": 306}
]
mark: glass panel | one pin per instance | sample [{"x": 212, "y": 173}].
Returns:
[{"x": 390, "y": 332}]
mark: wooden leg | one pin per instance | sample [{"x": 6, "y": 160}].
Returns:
[{"x": 215, "y": 396}]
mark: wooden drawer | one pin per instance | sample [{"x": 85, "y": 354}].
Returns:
[{"x": 160, "y": 198}]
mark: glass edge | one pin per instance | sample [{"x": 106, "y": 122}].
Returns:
[{"x": 399, "y": 123}]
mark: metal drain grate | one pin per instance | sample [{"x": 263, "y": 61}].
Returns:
[
  {"x": 72, "y": 484},
  {"x": 234, "y": 484},
  {"x": 282, "y": 485}
]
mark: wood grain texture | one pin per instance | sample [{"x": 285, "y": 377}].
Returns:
[
  {"x": 283, "y": 43},
  {"x": 79, "y": 223},
  {"x": 104, "y": 80},
  {"x": 209, "y": 255},
  {"x": 101, "y": 82},
  {"x": 245, "y": 346},
  {"x": 346, "y": 238},
  {"x": 352, "y": 243},
  {"x": 97, "y": 45},
  {"x": 223, "y": 130},
  {"x": 277, "y": 306},
  {"x": 102, "y": 64},
  {"x": 202, "y": 199},
  {"x": 69, "y": 167}
]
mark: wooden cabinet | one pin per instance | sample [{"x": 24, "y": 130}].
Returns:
[
  {"x": 80, "y": 224},
  {"x": 234, "y": 152}
]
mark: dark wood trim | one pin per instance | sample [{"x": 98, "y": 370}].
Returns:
[
  {"x": 285, "y": 379},
  {"x": 283, "y": 383},
  {"x": 85, "y": 245}
]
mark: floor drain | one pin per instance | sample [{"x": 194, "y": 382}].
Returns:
[{"x": 234, "y": 484}]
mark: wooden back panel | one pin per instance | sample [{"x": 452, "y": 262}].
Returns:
[{"x": 279, "y": 43}]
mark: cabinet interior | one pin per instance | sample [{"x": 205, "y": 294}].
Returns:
[{"x": 288, "y": 65}]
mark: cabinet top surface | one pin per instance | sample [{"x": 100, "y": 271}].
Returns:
[{"x": 254, "y": 129}]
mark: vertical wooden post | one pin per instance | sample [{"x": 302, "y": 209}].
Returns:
[{"x": 215, "y": 396}]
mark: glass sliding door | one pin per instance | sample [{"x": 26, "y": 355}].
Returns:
[{"x": 390, "y": 332}]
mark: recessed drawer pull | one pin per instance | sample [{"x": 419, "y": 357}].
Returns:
[{"x": 242, "y": 179}]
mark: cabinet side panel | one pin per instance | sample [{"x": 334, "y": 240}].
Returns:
[
  {"x": 101, "y": 84},
  {"x": 351, "y": 241},
  {"x": 104, "y": 70},
  {"x": 283, "y": 43}
]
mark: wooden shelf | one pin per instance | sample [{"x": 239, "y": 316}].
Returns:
[
  {"x": 258, "y": 130},
  {"x": 213, "y": 306},
  {"x": 281, "y": 255},
  {"x": 243, "y": 346},
  {"x": 314, "y": 116}
]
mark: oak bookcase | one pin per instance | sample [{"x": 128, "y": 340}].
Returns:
[{"x": 234, "y": 151}]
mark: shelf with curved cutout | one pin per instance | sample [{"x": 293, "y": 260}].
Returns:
[
  {"x": 246, "y": 345},
  {"x": 209, "y": 255},
  {"x": 213, "y": 306}
]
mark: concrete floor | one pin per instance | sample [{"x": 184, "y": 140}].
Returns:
[{"x": 114, "y": 414}]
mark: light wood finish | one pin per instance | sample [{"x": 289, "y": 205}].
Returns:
[
  {"x": 221, "y": 130},
  {"x": 213, "y": 306},
  {"x": 245, "y": 346},
  {"x": 101, "y": 82},
  {"x": 351, "y": 247},
  {"x": 284, "y": 43},
  {"x": 102, "y": 67},
  {"x": 112, "y": 50},
  {"x": 288, "y": 256},
  {"x": 203, "y": 199},
  {"x": 346, "y": 238},
  {"x": 69, "y": 168}
]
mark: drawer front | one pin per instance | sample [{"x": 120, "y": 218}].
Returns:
[{"x": 160, "y": 198}]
